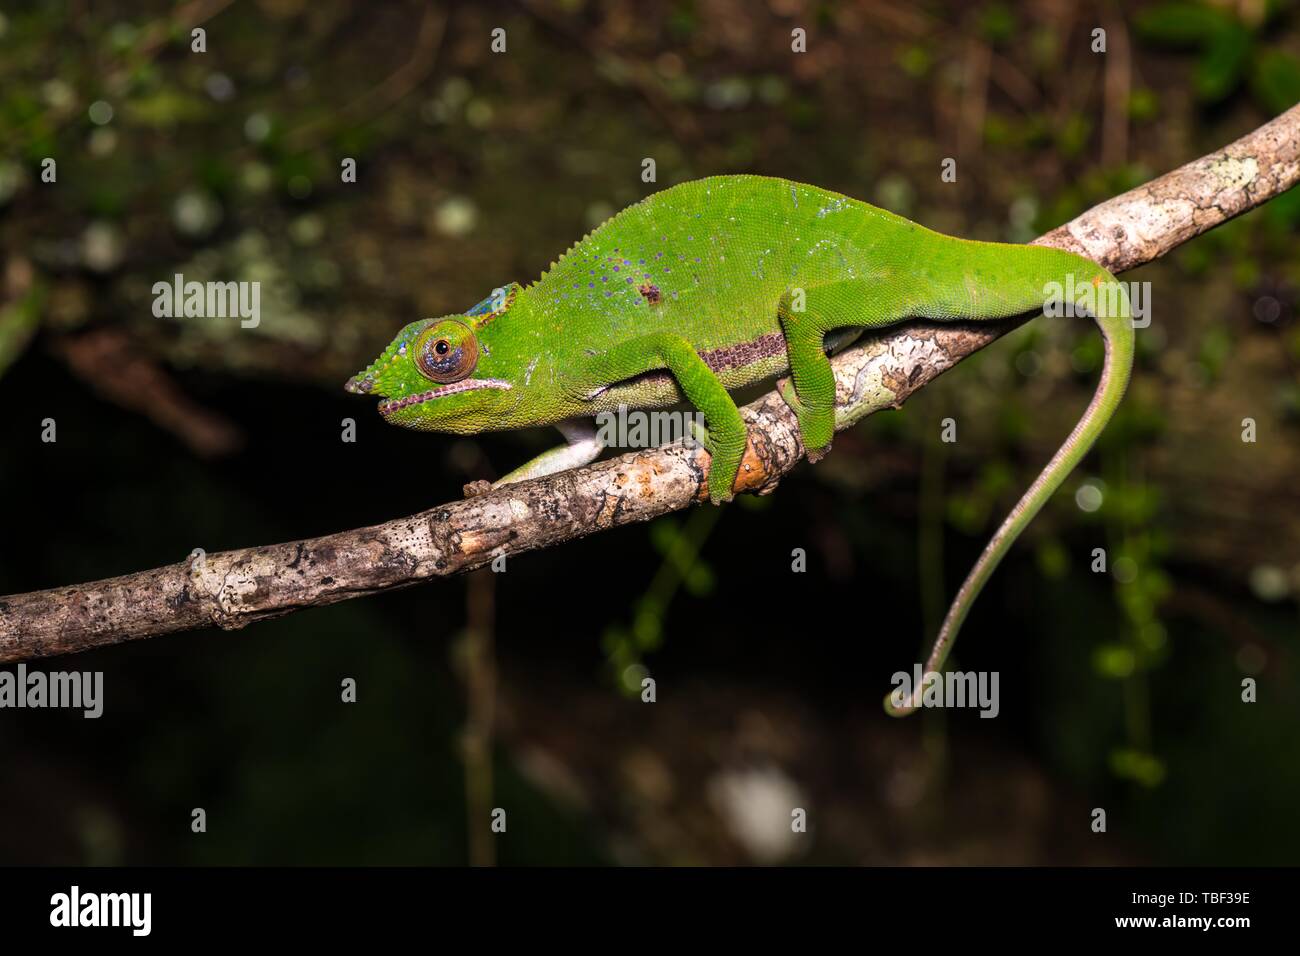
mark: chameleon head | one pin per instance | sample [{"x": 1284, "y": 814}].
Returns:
[{"x": 441, "y": 374}]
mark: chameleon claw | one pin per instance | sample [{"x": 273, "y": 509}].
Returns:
[
  {"x": 785, "y": 386},
  {"x": 717, "y": 496}
]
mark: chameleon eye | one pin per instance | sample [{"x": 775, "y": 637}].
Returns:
[{"x": 447, "y": 352}]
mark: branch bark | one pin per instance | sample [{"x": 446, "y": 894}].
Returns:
[{"x": 235, "y": 588}]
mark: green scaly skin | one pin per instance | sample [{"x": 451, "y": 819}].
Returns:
[{"x": 714, "y": 285}]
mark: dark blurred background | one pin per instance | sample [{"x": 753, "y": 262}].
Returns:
[{"x": 1119, "y": 690}]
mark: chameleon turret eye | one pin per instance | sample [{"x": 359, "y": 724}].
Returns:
[{"x": 447, "y": 352}]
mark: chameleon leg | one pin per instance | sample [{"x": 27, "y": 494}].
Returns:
[
  {"x": 582, "y": 448},
  {"x": 835, "y": 306},
  {"x": 659, "y": 350}
]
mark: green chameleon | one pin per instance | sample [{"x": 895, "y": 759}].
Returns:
[{"x": 718, "y": 284}]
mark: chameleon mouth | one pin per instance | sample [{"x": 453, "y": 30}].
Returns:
[{"x": 391, "y": 405}]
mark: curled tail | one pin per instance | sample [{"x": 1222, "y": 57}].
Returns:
[{"x": 1113, "y": 317}]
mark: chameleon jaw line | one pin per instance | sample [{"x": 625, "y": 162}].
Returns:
[{"x": 468, "y": 385}]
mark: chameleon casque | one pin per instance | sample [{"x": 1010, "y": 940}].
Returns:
[{"x": 717, "y": 284}]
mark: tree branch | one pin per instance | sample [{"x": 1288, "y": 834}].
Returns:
[{"x": 235, "y": 588}]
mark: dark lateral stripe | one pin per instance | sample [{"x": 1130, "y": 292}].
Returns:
[{"x": 744, "y": 353}]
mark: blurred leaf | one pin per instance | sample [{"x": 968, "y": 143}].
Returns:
[
  {"x": 1245, "y": 273},
  {"x": 1284, "y": 211},
  {"x": 664, "y": 534},
  {"x": 699, "y": 580},
  {"x": 1276, "y": 80},
  {"x": 1114, "y": 660},
  {"x": 999, "y": 130},
  {"x": 647, "y": 627},
  {"x": 164, "y": 109},
  {"x": 1216, "y": 347},
  {"x": 1053, "y": 559},
  {"x": 1143, "y": 104},
  {"x": 1186, "y": 25},
  {"x": 18, "y": 323},
  {"x": 1138, "y": 766},
  {"x": 914, "y": 60},
  {"x": 1196, "y": 257},
  {"x": 997, "y": 23},
  {"x": 1073, "y": 135},
  {"x": 1221, "y": 68}
]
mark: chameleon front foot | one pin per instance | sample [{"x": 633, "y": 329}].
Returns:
[{"x": 726, "y": 456}]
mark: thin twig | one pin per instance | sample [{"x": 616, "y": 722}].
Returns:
[{"x": 235, "y": 588}]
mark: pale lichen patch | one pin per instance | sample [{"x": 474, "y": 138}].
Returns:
[
  {"x": 875, "y": 376},
  {"x": 1235, "y": 173}
]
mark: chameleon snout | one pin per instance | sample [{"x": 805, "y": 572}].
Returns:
[{"x": 359, "y": 385}]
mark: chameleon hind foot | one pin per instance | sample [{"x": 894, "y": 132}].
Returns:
[
  {"x": 582, "y": 446},
  {"x": 813, "y": 427}
]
